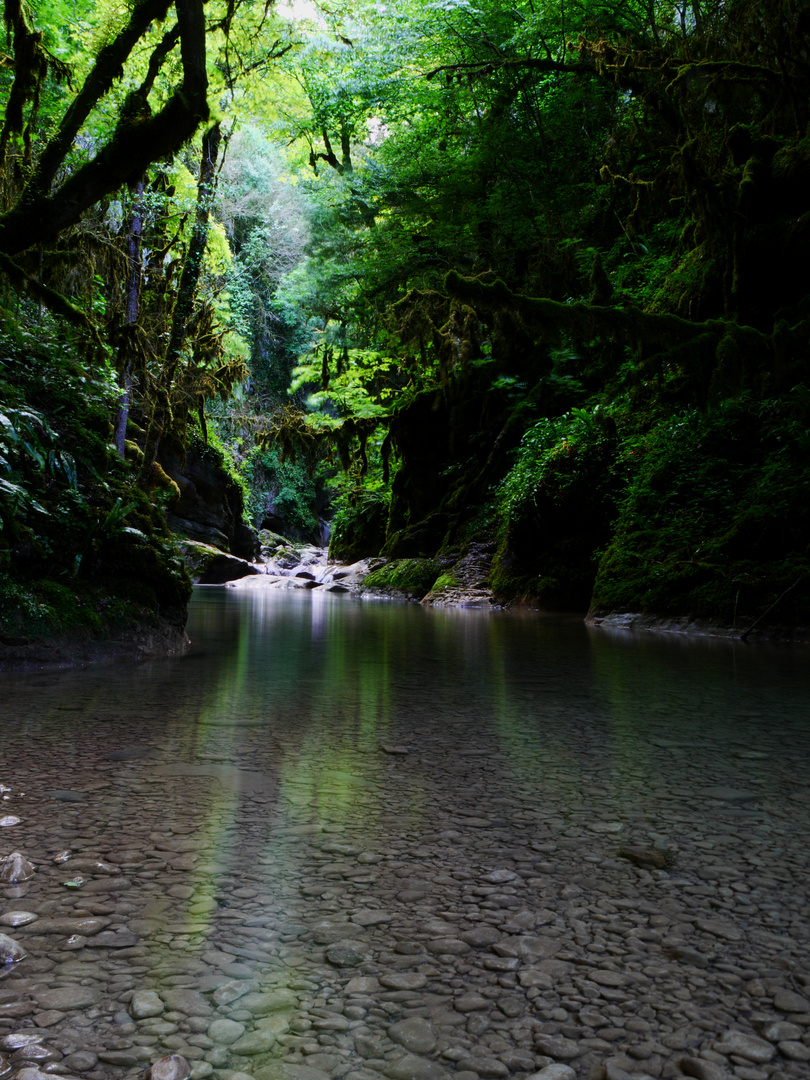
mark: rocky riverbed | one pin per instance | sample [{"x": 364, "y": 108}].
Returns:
[{"x": 271, "y": 900}]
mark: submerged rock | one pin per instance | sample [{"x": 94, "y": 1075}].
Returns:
[
  {"x": 170, "y": 1067},
  {"x": 18, "y": 918},
  {"x": 15, "y": 868},
  {"x": 11, "y": 952}
]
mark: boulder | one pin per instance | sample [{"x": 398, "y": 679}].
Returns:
[
  {"x": 207, "y": 565},
  {"x": 210, "y": 506}
]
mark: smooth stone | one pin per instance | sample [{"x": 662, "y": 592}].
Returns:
[
  {"x": 15, "y": 868},
  {"x": 170, "y": 1067},
  {"x": 67, "y": 997},
  {"x": 86, "y": 926},
  {"x": 371, "y": 917},
  {"x": 230, "y": 991},
  {"x": 35, "y": 1052},
  {"x": 343, "y": 956},
  {"x": 789, "y": 1001},
  {"x": 114, "y": 939},
  {"x": 190, "y": 1002},
  {"x": 606, "y": 977},
  {"x": 255, "y": 1042},
  {"x": 283, "y": 1071},
  {"x": 794, "y": 1050},
  {"x": 500, "y": 877},
  {"x": 223, "y": 1031},
  {"x": 701, "y": 1069},
  {"x": 276, "y": 1025},
  {"x": 724, "y": 930},
  {"x": 414, "y": 1034},
  {"x": 481, "y": 936},
  {"x": 15, "y": 1039},
  {"x": 748, "y": 1046},
  {"x": 80, "y": 1061},
  {"x": 732, "y": 795},
  {"x": 614, "y": 1071},
  {"x": 530, "y": 977},
  {"x": 447, "y": 947},
  {"x": 144, "y": 1004},
  {"x": 330, "y": 932},
  {"x": 133, "y": 1055},
  {"x": 48, "y": 1018},
  {"x": 532, "y": 947},
  {"x": 94, "y": 866},
  {"x": 555, "y": 1071},
  {"x": 404, "y": 980},
  {"x": 412, "y": 1067},
  {"x": 782, "y": 1030},
  {"x": 18, "y": 918},
  {"x": 556, "y": 1046},
  {"x": 10, "y": 950},
  {"x": 8, "y": 820},
  {"x": 268, "y": 1002},
  {"x": 363, "y": 984},
  {"x": 471, "y": 1002},
  {"x": 487, "y": 1068}
]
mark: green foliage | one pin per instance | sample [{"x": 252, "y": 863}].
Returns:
[
  {"x": 284, "y": 492},
  {"x": 222, "y": 453},
  {"x": 359, "y": 525},
  {"x": 71, "y": 524},
  {"x": 714, "y": 519},
  {"x": 552, "y": 456}
]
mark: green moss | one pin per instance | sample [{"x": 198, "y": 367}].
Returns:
[
  {"x": 445, "y": 581},
  {"x": 413, "y": 578},
  {"x": 715, "y": 517},
  {"x": 39, "y": 610}
]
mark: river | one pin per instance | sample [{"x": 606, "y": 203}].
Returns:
[{"x": 365, "y": 839}]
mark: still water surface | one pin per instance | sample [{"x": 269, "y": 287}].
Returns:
[{"x": 325, "y": 796}]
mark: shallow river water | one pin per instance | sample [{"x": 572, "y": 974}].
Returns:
[{"x": 364, "y": 840}]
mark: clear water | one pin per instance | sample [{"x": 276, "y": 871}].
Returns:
[{"x": 319, "y": 758}]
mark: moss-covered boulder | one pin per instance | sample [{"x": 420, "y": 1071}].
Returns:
[
  {"x": 208, "y": 565},
  {"x": 402, "y": 579}
]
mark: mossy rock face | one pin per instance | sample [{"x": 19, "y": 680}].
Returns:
[
  {"x": 420, "y": 540},
  {"x": 272, "y": 540},
  {"x": 61, "y": 624},
  {"x": 278, "y": 549},
  {"x": 409, "y": 579}
]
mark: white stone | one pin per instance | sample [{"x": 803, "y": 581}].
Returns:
[{"x": 145, "y": 1003}]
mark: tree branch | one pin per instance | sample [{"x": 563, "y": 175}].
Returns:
[{"x": 127, "y": 155}]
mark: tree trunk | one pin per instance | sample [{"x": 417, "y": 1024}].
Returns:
[
  {"x": 133, "y": 294},
  {"x": 186, "y": 291}
]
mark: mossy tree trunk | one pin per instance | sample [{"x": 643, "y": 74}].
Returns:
[{"x": 184, "y": 304}]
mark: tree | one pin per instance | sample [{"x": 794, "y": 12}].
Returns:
[{"x": 41, "y": 210}]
